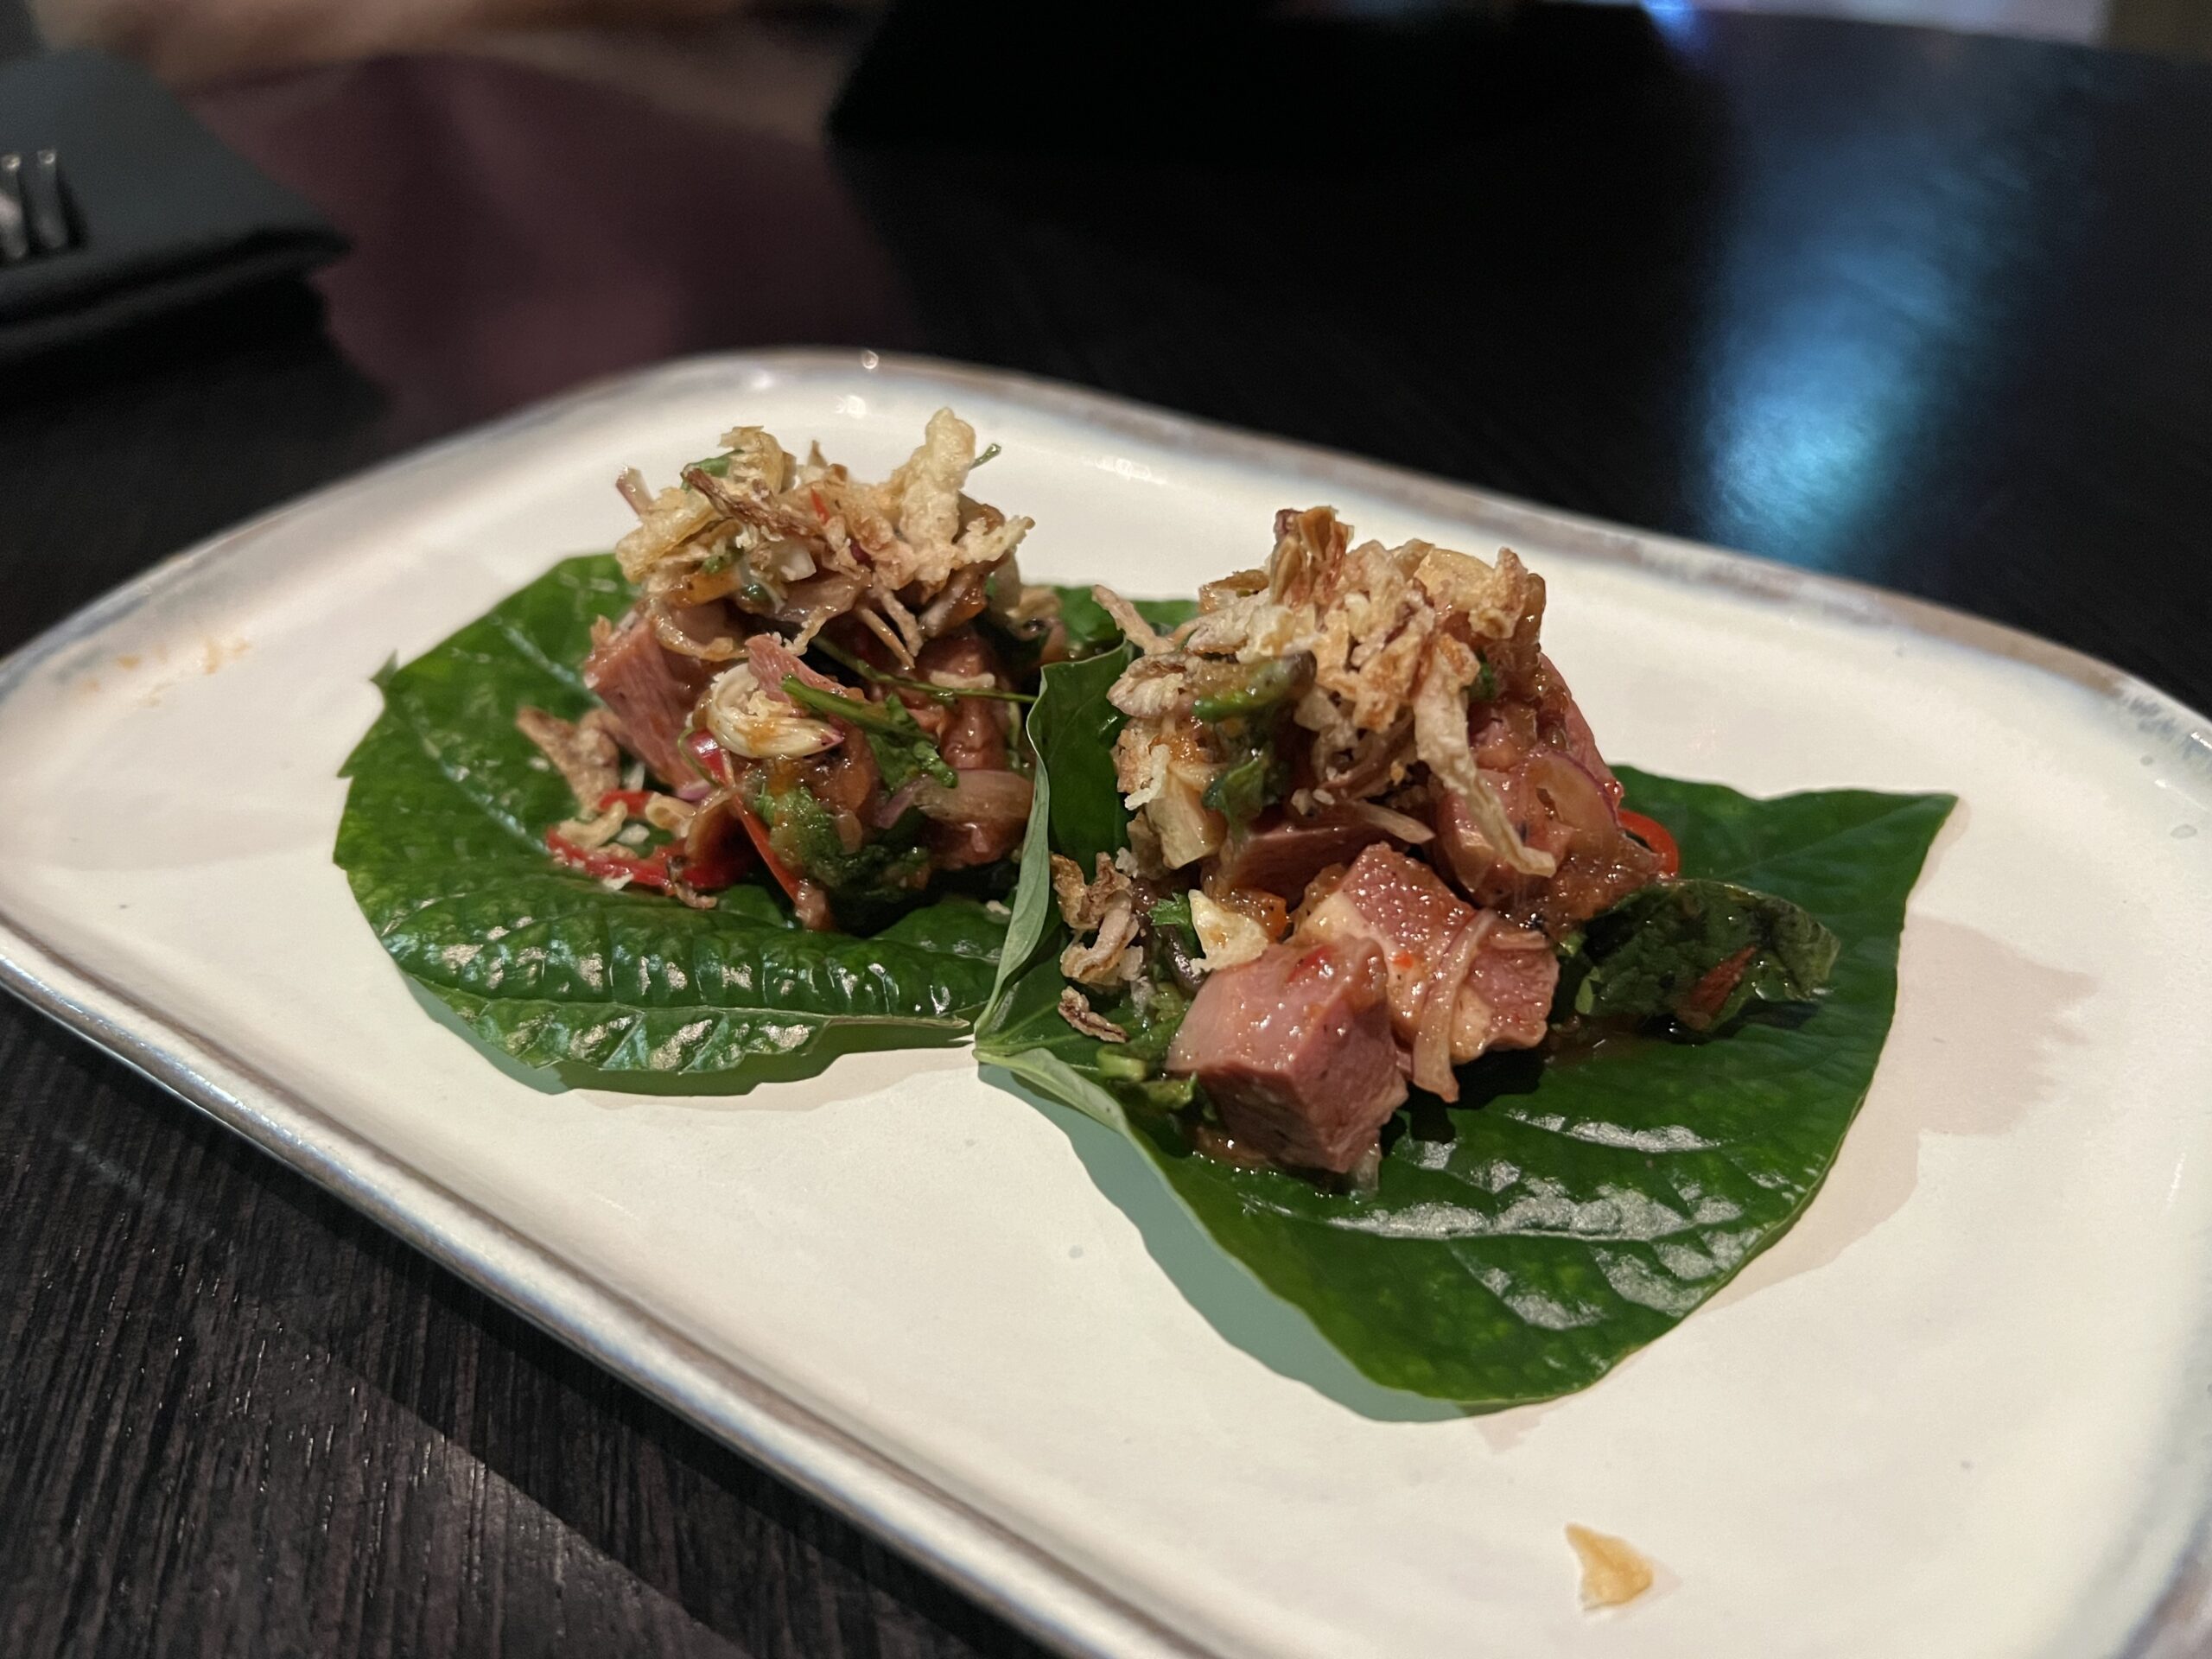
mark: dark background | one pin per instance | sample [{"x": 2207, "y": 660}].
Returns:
[{"x": 1928, "y": 310}]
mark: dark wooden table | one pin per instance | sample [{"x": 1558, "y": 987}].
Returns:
[{"x": 1932, "y": 311}]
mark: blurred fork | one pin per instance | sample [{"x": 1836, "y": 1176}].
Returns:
[{"x": 34, "y": 209}]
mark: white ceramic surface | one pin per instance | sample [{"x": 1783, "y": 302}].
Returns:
[{"x": 1962, "y": 1410}]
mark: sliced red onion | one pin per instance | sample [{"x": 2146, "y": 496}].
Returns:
[
  {"x": 894, "y": 806},
  {"x": 1577, "y": 797}
]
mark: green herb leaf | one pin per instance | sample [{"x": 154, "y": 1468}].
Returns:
[
  {"x": 1241, "y": 791},
  {"x": 1166, "y": 614},
  {"x": 1695, "y": 951},
  {"x": 1173, "y": 912},
  {"x": 901, "y": 747},
  {"x": 945, "y": 694},
  {"x": 442, "y": 842},
  {"x": 1075, "y": 808},
  {"x": 1090, "y": 630},
  {"x": 899, "y": 761},
  {"x": 865, "y": 884},
  {"x": 1521, "y": 1243},
  {"x": 1072, "y": 730}
]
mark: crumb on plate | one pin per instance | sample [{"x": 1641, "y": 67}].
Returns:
[{"x": 1614, "y": 1572}]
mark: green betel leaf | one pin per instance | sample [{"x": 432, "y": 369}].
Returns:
[
  {"x": 443, "y": 842},
  {"x": 1520, "y": 1244}
]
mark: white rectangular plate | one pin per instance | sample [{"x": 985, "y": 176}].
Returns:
[{"x": 1961, "y": 1409}]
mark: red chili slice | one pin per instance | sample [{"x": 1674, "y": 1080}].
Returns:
[
  {"x": 727, "y": 855},
  {"x": 711, "y": 758},
  {"x": 758, "y": 833},
  {"x": 1653, "y": 834},
  {"x": 1709, "y": 993},
  {"x": 602, "y": 863}
]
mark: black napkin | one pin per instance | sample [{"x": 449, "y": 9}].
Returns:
[{"x": 166, "y": 216}]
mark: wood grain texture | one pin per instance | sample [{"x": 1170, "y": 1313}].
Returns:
[
  {"x": 1924, "y": 310},
  {"x": 241, "y": 1420}
]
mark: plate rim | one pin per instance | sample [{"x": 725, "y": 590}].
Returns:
[{"x": 1050, "y": 1598}]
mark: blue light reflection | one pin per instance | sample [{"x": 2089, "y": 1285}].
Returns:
[
  {"x": 1809, "y": 404},
  {"x": 1676, "y": 19},
  {"x": 1846, "y": 299}
]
